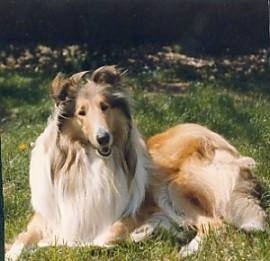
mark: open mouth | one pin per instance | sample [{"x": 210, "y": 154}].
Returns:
[{"x": 104, "y": 151}]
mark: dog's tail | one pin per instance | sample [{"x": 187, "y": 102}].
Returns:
[{"x": 244, "y": 210}]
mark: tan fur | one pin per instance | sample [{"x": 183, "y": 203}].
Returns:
[
  {"x": 202, "y": 180},
  {"x": 33, "y": 233},
  {"x": 123, "y": 228}
]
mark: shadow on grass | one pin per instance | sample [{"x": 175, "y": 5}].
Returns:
[
  {"x": 253, "y": 84},
  {"x": 134, "y": 251},
  {"x": 18, "y": 89},
  {"x": 203, "y": 105},
  {"x": 236, "y": 121},
  {"x": 26, "y": 87}
]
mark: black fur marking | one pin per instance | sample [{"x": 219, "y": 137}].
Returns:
[
  {"x": 66, "y": 111},
  {"x": 120, "y": 101}
]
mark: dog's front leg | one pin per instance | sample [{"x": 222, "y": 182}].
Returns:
[
  {"x": 120, "y": 230},
  {"x": 31, "y": 236}
]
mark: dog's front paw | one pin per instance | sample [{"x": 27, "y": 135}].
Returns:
[
  {"x": 142, "y": 232},
  {"x": 252, "y": 226},
  {"x": 101, "y": 243},
  {"x": 14, "y": 252}
]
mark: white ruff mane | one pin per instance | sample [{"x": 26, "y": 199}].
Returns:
[{"x": 80, "y": 204}]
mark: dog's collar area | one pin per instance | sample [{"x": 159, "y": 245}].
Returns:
[{"x": 104, "y": 152}]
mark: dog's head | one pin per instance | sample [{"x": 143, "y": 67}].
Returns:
[{"x": 92, "y": 108}]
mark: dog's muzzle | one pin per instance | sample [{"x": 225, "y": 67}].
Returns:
[{"x": 104, "y": 140}]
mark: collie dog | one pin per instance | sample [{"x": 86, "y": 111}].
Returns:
[
  {"x": 201, "y": 181},
  {"x": 93, "y": 182},
  {"x": 89, "y": 167}
]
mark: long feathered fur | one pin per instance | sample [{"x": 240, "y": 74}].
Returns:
[
  {"x": 202, "y": 180},
  {"x": 78, "y": 191}
]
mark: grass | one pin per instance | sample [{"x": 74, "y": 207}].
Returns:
[{"x": 240, "y": 114}]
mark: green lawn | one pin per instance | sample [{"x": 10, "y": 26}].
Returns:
[{"x": 239, "y": 109}]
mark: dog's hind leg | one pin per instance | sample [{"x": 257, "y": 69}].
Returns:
[
  {"x": 203, "y": 227},
  {"x": 192, "y": 247},
  {"x": 197, "y": 205},
  {"x": 31, "y": 236}
]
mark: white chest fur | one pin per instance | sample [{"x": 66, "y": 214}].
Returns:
[
  {"x": 80, "y": 205},
  {"x": 98, "y": 197}
]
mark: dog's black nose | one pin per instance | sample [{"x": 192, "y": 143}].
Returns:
[{"x": 103, "y": 137}]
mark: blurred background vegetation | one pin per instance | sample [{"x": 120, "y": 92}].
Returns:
[
  {"x": 166, "y": 45},
  {"x": 204, "y": 26}
]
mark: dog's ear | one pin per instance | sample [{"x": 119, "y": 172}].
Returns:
[
  {"x": 108, "y": 74},
  {"x": 81, "y": 77},
  {"x": 62, "y": 88}
]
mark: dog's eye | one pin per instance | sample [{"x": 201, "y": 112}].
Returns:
[
  {"x": 104, "y": 106},
  {"x": 82, "y": 112}
]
